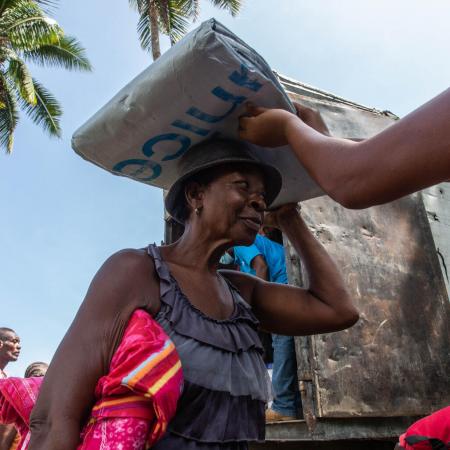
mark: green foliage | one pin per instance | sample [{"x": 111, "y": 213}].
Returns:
[
  {"x": 29, "y": 35},
  {"x": 66, "y": 52},
  {"x": 9, "y": 113},
  {"x": 233, "y": 6},
  {"x": 174, "y": 16},
  {"x": 46, "y": 112}
]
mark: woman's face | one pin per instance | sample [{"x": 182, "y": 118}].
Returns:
[{"x": 233, "y": 204}]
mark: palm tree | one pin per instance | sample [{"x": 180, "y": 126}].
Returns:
[
  {"x": 170, "y": 17},
  {"x": 28, "y": 34}
]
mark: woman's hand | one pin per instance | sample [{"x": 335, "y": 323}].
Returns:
[
  {"x": 265, "y": 127},
  {"x": 277, "y": 217}
]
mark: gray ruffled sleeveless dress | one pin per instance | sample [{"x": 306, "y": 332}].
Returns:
[{"x": 226, "y": 385}]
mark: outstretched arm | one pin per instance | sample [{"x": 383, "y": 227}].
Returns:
[
  {"x": 324, "y": 306},
  {"x": 83, "y": 356},
  {"x": 410, "y": 155}
]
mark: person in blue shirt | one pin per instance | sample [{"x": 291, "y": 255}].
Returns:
[{"x": 265, "y": 259}]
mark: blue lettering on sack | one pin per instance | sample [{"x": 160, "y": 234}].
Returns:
[
  {"x": 223, "y": 95},
  {"x": 185, "y": 142},
  {"x": 241, "y": 79},
  {"x": 189, "y": 127},
  {"x": 142, "y": 166}
]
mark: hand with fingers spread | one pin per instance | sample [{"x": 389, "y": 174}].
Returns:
[{"x": 265, "y": 127}]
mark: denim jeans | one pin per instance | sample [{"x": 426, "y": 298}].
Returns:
[{"x": 284, "y": 376}]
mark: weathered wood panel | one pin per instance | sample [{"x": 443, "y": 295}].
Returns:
[
  {"x": 437, "y": 204},
  {"x": 302, "y": 343},
  {"x": 337, "y": 429},
  {"x": 395, "y": 360}
]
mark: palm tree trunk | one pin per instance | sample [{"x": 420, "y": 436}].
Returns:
[{"x": 154, "y": 30}]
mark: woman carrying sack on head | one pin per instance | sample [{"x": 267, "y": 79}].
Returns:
[{"x": 212, "y": 317}]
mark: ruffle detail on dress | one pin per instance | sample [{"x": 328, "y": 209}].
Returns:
[
  {"x": 236, "y": 334},
  {"x": 218, "y": 417},
  {"x": 240, "y": 374}
]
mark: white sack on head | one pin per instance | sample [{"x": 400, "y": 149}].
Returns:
[{"x": 196, "y": 89}]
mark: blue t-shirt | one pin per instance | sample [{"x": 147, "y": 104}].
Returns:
[{"x": 272, "y": 252}]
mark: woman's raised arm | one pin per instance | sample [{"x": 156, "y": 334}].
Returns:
[
  {"x": 322, "y": 307},
  {"x": 123, "y": 284}
]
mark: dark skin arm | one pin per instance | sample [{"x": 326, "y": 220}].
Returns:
[
  {"x": 323, "y": 307},
  {"x": 7, "y": 436},
  {"x": 260, "y": 267},
  {"x": 123, "y": 284},
  {"x": 410, "y": 155}
]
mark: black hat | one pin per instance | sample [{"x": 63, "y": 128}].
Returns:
[{"x": 211, "y": 153}]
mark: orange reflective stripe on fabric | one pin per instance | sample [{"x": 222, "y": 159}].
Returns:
[
  {"x": 137, "y": 374},
  {"x": 128, "y": 399},
  {"x": 165, "y": 378}
]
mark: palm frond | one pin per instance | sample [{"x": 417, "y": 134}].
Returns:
[
  {"x": 162, "y": 8},
  {"x": 48, "y": 6},
  {"x": 27, "y": 27},
  {"x": 191, "y": 8},
  {"x": 19, "y": 74},
  {"x": 66, "y": 52},
  {"x": 233, "y": 6},
  {"x": 143, "y": 30},
  {"x": 9, "y": 113},
  {"x": 51, "y": 3},
  {"x": 176, "y": 24},
  {"x": 137, "y": 5},
  {"x": 4, "y": 4},
  {"x": 47, "y": 111}
]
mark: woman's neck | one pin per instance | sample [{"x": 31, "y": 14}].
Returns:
[{"x": 197, "y": 248}]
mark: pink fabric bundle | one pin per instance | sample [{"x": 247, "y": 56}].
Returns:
[
  {"x": 17, "y": 398},
  {"x": 134, "y": 401}
]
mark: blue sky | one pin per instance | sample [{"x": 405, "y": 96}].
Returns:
[{"x": 62, "y": 217}]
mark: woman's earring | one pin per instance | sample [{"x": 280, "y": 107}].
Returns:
[{"x": 197, "y": 211}]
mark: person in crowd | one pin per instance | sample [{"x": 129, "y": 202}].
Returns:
[
  {"x": 265, "y": 258},
  {"x": 429, "y": 433},
  {"x": 9, "y": 348},
  {"x": 36, "y": 369},
  {"x": 408, "y": 156},
  {"x": 17, "y": 398},
  {"x": 9, "y": 352},
  {"x": 212, "y": 317},
  {"x": 134, "y": 401}
]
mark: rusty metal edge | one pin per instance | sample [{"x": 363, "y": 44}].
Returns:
[{"x": 298, "y": 87}]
